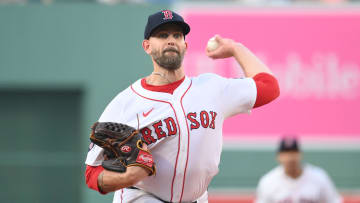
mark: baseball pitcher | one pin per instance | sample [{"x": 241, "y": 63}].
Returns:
[{"x": 160, "y": 139}]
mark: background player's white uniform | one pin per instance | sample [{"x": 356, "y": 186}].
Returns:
[
  {"x": 313, "y": 186},
  {"x": 183, "y": 130}
]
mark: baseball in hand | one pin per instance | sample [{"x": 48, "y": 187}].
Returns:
[{"x": 212, "y": 44}]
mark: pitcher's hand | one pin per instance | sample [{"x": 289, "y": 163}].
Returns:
[{"x": 226, "y": 48}]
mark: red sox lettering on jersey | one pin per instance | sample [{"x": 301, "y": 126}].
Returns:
[{"x": 206, "y": 119}]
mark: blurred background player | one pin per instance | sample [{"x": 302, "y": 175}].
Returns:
[{"x": 294, "y": 182}]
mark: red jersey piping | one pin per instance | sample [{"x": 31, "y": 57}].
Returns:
[
  {"x": 121, "y": 197},
  {"x": 187, "y": 126},
  {"x": 177, "y": 156},
  {"x": 168, "y": 88}
]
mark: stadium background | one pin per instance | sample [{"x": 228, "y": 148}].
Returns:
[{"x": 61, "y": 62}]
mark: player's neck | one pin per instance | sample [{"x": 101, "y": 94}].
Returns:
[
  {"x": 161, "y": 76},
  {"x": 294, "y": 173}
]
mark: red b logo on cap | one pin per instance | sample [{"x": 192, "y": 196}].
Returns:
[{"x": 167, "y": 14}]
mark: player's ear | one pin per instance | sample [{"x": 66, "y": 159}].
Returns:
[
  {"x": 186, "y": 45},
  {"x": 146, "y": 46}
]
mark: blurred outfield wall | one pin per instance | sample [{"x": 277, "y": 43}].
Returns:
[
  {"x": 61, "y": 64},
  {"x": 84, "y": 52}
]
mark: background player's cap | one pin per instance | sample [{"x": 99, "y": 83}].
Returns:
[
  {"x": 162, "y": 17},
  {"x": 288, "y": 144}
]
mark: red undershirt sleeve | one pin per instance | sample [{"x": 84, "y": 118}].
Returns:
[
  {"x": 91, "y": 177},
  {"x": 267, "y": 88}
]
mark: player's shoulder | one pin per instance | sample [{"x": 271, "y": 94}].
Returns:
[
  {"x": 314, "y": 169},
  {"x": 208, "y": 80},
  {"x": 120, "y": 98},
  {"x": 206, "y": 77},
  {"x": 124, "y": 95},
  {"x": 316, "y": 172},
  {"x": 115, "y": 108},
  {"x": 211, "y": 80},
  {"x": 271, "y": 176}
]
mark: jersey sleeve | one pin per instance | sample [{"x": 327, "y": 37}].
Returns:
[
  {"x": 91, "y": 177},
  {"x": 261, "y": 195},
  {"x": 112, "y": 113},
  {"x": 329, "y": 193},
  {"x": 238, "y": 96},
  {"x": 267, "y": 89},
  {"x": 95, "y": 156},
  {"x": 114, "y": 110}
]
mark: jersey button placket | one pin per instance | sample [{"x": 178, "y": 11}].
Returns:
[{"x": 183, "y": 150}]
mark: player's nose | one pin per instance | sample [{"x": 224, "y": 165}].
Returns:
[
  {"x": 171, "y": 43},
  {"x": 171, "y": 40}
]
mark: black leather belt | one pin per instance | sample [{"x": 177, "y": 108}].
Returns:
[{"x": 154, "y": 195}]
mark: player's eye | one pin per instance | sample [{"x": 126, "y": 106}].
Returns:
[
  {"x": 177, "y": 35},
  {"x": 163, "y": 35}
]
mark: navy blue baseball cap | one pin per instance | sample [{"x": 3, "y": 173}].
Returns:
[
  {"x": 288, "y": 144},
  {"x": 163, "y": 17}
]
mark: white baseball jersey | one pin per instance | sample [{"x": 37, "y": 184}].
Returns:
[
  {"x": 183, "y": 131},
  {"x": 313, "y": 186}
]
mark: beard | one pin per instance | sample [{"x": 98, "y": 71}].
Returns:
[{"x": 170, "y": 63}]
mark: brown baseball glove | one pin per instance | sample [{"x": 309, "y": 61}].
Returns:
[{"x": 123, "y": 147}]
